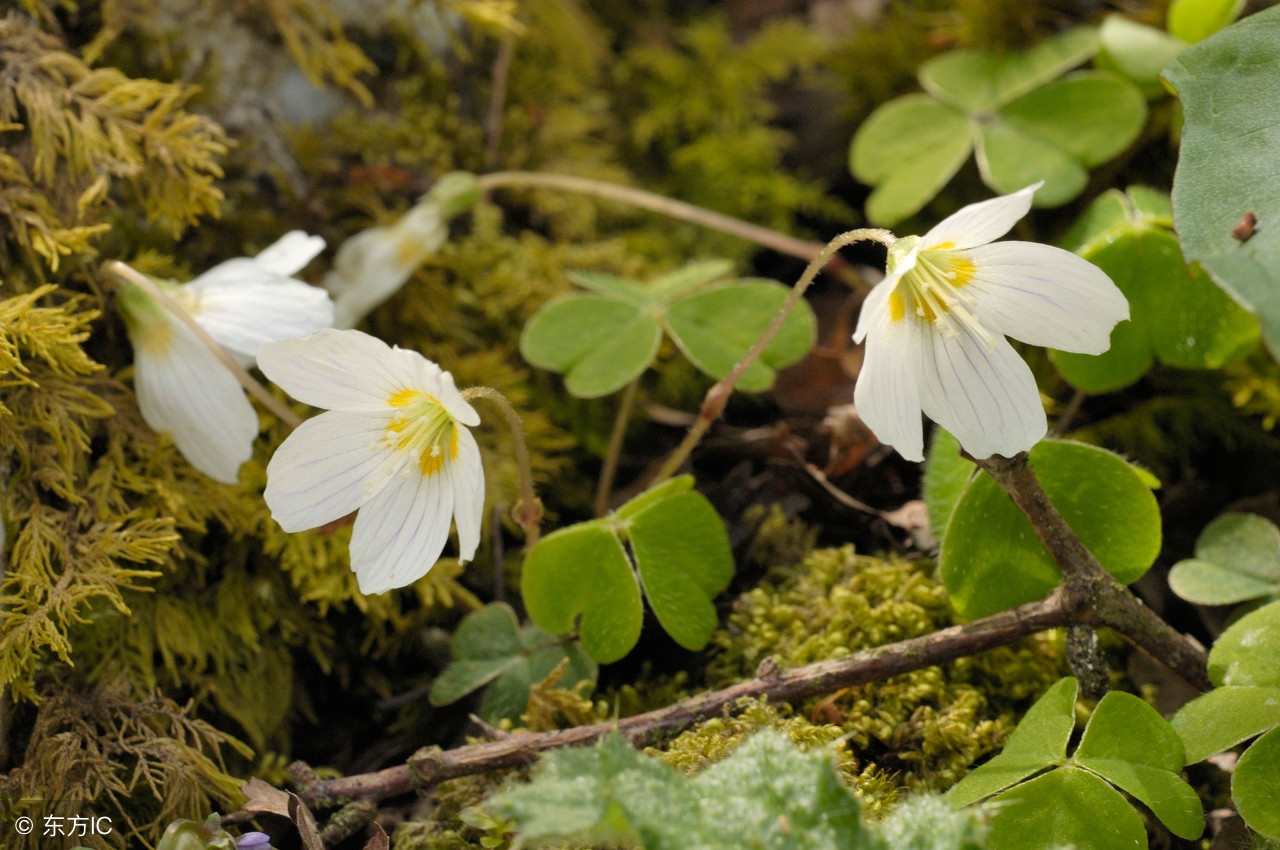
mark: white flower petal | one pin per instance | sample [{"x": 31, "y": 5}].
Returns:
[
  {"x": 400, "y": 533},
  {"x": 290, "y": 253},
  {"x": 340, "y": 370},
  {"x": 887, "y": 395},
  {"x": 467, "y": 474},
  {"x": 185, "y": 391},
  {"x": 982, "y": 392},
  {"x": 445, "y": 391},
  {"x": 980, "y": 223},
  {"x": 1045, "y": 296},
  {"x": 874, "y": 306},
  {"x": 246, "y": 314},
  {"x": 330, "y": 466}
]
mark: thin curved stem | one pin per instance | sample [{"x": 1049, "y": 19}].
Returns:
[
  {"x": 528, "y": 511},
  {"x": 772, "y": 239},
  {"x": 718, "y": 396},
  {"x": 610, "y": 468},
  {"x": 255, "y": 389}
]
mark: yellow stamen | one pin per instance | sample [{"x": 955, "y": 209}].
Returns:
[
  {"x": 425, "y": 430},
  {"x": 932, "y": 291}
]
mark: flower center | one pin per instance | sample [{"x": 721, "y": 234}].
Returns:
[
  {"x": 423, "y": 429},
  {"x": 932, "y": 290}
]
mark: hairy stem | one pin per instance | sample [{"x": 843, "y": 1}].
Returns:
[
  {"x": 255, "y": 389},
  {"x": 718, "y": 396},
  {"x": 1092, "y": 595},
  {"x": 528, "y": 511},
  {"x": 780, "y": 242},
  {"x": 610, "y": 469},
  {"x": 431, "y": 765}
]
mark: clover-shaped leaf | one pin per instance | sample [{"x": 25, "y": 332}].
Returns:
[
  {"x": 1226, "y": 200},
  {"x": 668, "y": 541},
  {"x": 991, "y": 558},
  {"x": 1245, "y": 704},
  {"x": 490, "y": 648},
  {"x": 605, "y": 339},
  {"x": 1024, "y": 121},
  {"x": 1196, "y": 20},
  {"x": 1043, "y": 798},
  {"x": 1237, "y": 559},
  {"x": 1137, "y": 51},
  {"x": 1178, "y": 315}
]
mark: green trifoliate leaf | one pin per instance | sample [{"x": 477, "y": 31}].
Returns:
[
  {"x": 1237, "y": 558},
  {"x": 983, "y": 81},
  {"x": 1226, "y": 166},
  {"x": 1177, "y": 313},
  {"x": 715, "y": 328},
  {"x": 668, "y": 541},
  {"x": 767, "y": 794},
  {"x": 1068, "y": 807},
  {"x": 1254, "y": 784},
  {"x": 490, "y": 648},
  {"x": 604, "y": 340},
  {"x": 1217, "y": 721},
  {"x": 1196, "y": 20},
  {"x": 991, "y": 558},
  {"x": 1129, "y": 744},
  {"x": 1026, "y": 124},
  {"x": 1245, "y": 654},
  {"x": 1039, "y": 742},
  {"x": 908, "y": 150}
]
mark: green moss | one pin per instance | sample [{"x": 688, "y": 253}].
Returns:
[{"x": 924, "y": 728}]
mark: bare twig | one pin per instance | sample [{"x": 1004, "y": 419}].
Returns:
[{"x": 432, "y": 765}]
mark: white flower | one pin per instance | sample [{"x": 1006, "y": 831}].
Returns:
[
  {"x": 936, "y": 325},
  {"x": 393, "y": 444},
  {"x": 371, "y": 266},
  {"x": 243, "y": 303}
]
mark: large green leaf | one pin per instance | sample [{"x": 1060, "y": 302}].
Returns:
[
  {"x": 1068, "y": 807},
  {"x": 1255, "y": 785},
  {"x": 1129, "y": 744},
  {"x": 1039, "y": 742},
  {"x": 991, "y": 558},
  {"x": 1237, "y": 558},
  {"x": 715, "y": 328},
  {"x": 1217, "y": 721},
  {"x": 490, "y": 648},
  {"x": 1226, "y": 166},
  {"x": 1245, "y": 654},
  {"x": 668, "y": 541},
  {"x": 946, "y": 474},
  {"x": 1176, "y": 313}
]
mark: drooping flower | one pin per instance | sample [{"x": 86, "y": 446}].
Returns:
[
  {"x": 935, "y": 330},
  {"x": 182, "y": 387},
  {"x": 373, "y": 264},
  {"x": 394, "y": 445}
]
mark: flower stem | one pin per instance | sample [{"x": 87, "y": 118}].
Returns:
[
  {"x": 610, "y": 468},
  {"x": 255, "y": 389},
  {"x": 718, "y": 396},
  {"x": 528, "y": 511},
  {"x": 772, "y": 239},
  {"x": 1092, "y": 595}
]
